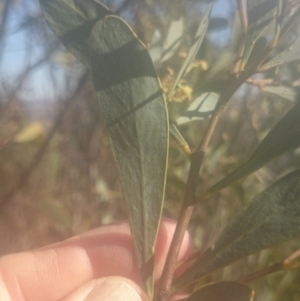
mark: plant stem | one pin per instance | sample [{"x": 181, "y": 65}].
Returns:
[
  {"x": 175, "y": 134},
  {"x": 263, "y": 272},
  {"x": 244, "y": 21},
  {"x": 234, "y": 82},
  {"x": 243, "y": 15},
  {"x": 164, "y": 286},
  {"x": 289, "y": 263}
]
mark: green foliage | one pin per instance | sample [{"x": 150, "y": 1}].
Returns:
[
  {"x": 194, "y": 47},
  {"x": 172, "y": 41},
  {"x": 284, "y": 92},
  {"x": 271, "y": 218},
  {"x": 201, "y": 108},
  {"x": 260, "y": 12},
  {"x": 284, "y": 136},
  {"x": 288, "y": 55},
  {"x": 133, "y": 107},
  {"x": 72, "y": 21}
]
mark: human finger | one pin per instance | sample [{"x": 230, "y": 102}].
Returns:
[
  {"x": 52, "y": 272},
  {"x": 112, "y": 288}
]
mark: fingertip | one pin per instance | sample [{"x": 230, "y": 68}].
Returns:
[{"x": 108, "y": 289}]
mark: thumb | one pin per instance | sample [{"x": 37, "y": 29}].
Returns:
[{"x": 108, "y": 289}]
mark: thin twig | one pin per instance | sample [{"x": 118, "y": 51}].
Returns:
[
  {"x": 261, "y": 273},
  {"x": 243, "y": 15},
  {"x": 289, "y": 263},
  {"x": 260, "y": 82},
  {"x": 4, "y": 18},
  {"x": 175, "y": 134},
  {"x": 164, "y": 286},
  {"x": 238, "y": 66},
  {"x": 3, "y": 26},
  {"x": 278, "y": 24}
]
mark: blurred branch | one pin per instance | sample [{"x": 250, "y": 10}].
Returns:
[
  {"x": 24, "y": 75},
  {"x": 289, "y": 263},
  {"x": 263, "y": 272},
  {"x": 260, "y": 82},
  {"x": 25, "y": 175},
  {"x": 244, "y": 21},
  {"x": 4, "y": 18},
  {"x": 243, "y": 15}
]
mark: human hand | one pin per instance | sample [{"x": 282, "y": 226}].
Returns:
[{"x": 96, "y": 266}]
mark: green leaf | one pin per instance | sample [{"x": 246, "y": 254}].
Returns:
[
  {"x": 134, "y": 109},
  {"x": 236, "y": 32},
  {"x": 173, "y": 40},
  {"x": 260, "y": 12},
  {"x": 254, "y": 35},
  {"x": 72, "y": 21},
  {"x": 222, "y": 65},
  {"x": 290, "y": 54},
  {"x": 179, "y": 139},
  {"x": 283, "y": 137},
  {"x": 270, "y": 219},
  {"x": 223, "y": 291},
  {"x": 156, "y": 49},
  {"x": 195, "y": 46},
  {"x": 283, "y": 92},
  {"x": 201, "y": 108}
]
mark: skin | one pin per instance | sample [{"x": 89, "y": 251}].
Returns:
[{"x": 97, "y": 265}]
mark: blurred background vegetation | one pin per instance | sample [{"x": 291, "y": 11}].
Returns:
[{"x": 57, "y": 174}]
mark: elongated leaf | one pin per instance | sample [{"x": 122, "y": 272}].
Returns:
[
  {"x": 195, "y": 47},
  {"x": 254, "y": 35},
  {"x": 260, "y": 11},
  {"x": 173, "y": 39},
  {"x": 201, "y": 108},
  {"x": 31, "y": 132},
  {"x": 290, "y": 54},
  {"x": 236, "y": 32},
  {"x": 284, "y": 136},
  {"x": 156, "y": 48},
  {"x": 271, "y": 218},
  {"x": 132, "y": 104},
  {"x": 72, "y": 21},
  {"x": 223, "y": 291},
  {"x": 179, "y": 139},
  {"x": 284, "y": 92},
  {"x": 222, "y": 65}
]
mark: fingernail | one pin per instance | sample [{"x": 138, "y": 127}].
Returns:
[{"x": 112, "y": 290}]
